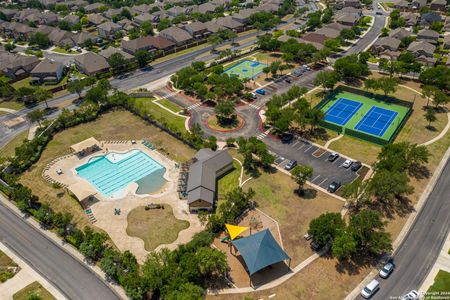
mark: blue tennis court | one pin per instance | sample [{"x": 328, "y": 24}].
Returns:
[
  {"x": 342, "y": 111},
  {"x": 376, "y": 121}
]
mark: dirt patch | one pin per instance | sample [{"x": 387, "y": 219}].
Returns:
[{"x": 319, "y": 152}]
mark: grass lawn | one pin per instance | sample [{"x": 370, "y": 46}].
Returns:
[
  {"x": 213, "y": 123},
  {"x": 154, "y": 226},
  {"x": 229, "y": 181},
  {"x": 170, "y": 105},
  {"x": 115, "y": 125},
  {"x": 6, "y": 262},
  {"x": 64, "y": 51},
  {"x": 276, "y": 196},
  {"x": 159, "y": 113},
  {"x": 34, "y": 288},
  {"x": 441, "y": 284},
  {"x": 357, "y": 149},
  {"x": 26, "y": 82},
  {"x": 9, "y": 149},
  {"x": 12, "y": 105}
]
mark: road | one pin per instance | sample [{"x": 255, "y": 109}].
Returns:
[
  {"x": 417, "y": 254},
  {"x": 66, "y": 273}
]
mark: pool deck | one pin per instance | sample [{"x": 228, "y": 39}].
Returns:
[{"x": 103, "y": 209}]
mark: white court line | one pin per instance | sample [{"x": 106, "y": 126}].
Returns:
[{"x": 389, "y": 123}]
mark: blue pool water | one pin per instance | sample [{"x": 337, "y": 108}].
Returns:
[{"x": 113, "y": 172}]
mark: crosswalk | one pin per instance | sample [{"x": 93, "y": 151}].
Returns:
[
  {"x": 193, "y": 106},
  {"x": 261, "y": 136},
  {"x": 254, "y": 106},
  {"x": 170, "y": 95}
]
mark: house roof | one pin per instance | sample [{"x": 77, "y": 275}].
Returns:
[
  {"x": 347, "y": 18},
  {"x": 260, "y": 250},
  {"x": 47, "y": 66},
  {"x": 178, "y": 34},
  {"x": 157, "y": 42},
  {"x": 228, "y": 22},
  {"x": 399, "y": 33},
  {"x": 106, "y": 53},
  {"x": 96, "y": 19},
  {"x": 422, "y": 45},
  {"x": 109, "y": 26},
  {"x": 328, "y": 32},
  {"x": 440, "y": 2},
  {"x": 13, "y": 61},
  {"x": 314, "y": 37},
  {"x": 447, "y": 39},
  {"x": 196, "y": 26},
  {"x": 93, "y": 6},
  {"x": 205, "y": 8},
  {"x": 401, "y": 3},
  {"x": 430, "y": 17},
  {"x": 390, "y": 42},
  {"x": 92, "y": 62},
  {"x": 428, "y": 34}
]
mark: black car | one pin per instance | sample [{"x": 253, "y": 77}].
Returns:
[
  {"x": 333, "y": 156},
  {"x": 334, "y": 186},
  {"x": 314, "y": 246},
  {"x": 287, "y": 138},
  {"x": 356, "y": 166},
  {"x": 290, "y": 165},
  {"x": 288, "y": 80}
]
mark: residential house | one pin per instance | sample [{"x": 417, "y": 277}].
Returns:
[
  {"x": 399, "y": 33},
  {"x": 93, "y": 8},
  {"x": 24, "y": 13},
  {"x": 176, "y": 35},
  {"x": 270, "y": 7},
  {"x": 312, "y": 38},
  {"x": 47, "y": 71},
  {"x": 346, "y": 19},
  {"x": 352, "y": 3},
  {"x": 224, "y": 3},
  {"x": 91, "y": 63},
  {"x": 126, "y": 24},
  {"x": 213, "y": 27},
  {"x": 229, "y": 23},
  {"x": 410, "y": 18},
  {"x": 197, "y": 30},
  {"x": 202, "y": 179},
  {"x": 418, "y": 4},
  {"x": 96, "y": 19},
  {"x": 61, "y": 38},
  {"x": 386, "y": 43},
  {"x": 19, "y": 31},
  {"x": 350, "y": 10},
  {"x": 421, "y": 48},
  {"x": 106, "y": 53},
  {"x": 147, "y": 43},
  {"x": 402, "y": 5},
  {"x": 447, "y": 24},
  {"x": 330, "y": 33},
  {"x": 440, "y": 5},
  {"x": 336, "y": 26},
  {"x": 205, "y": 8},
  {"x": 140, "y": 9},
  {"x": 243, "y": 16},
  {"x": 428, "y": 35},
  {"x": 446, "y": 43},
  {"x": 72, "y": 19},
  {"x": 48, "y": 18},
  {"x": 429, "y": 18},
  {"x": 145, "y": 17},
  {"x": 81, "y": 37},
  {"x": 17, "y": 66},
  {"x": 112, "y": 12},
  {"x": 9, "y": 13},
  {"x": 108, "y": 30},
  {"x": 176, "y": 11}
]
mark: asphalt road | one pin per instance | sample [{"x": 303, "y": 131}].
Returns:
[
  {"x": 417, "y": 254},
  {"x": 66, "y": 273}
]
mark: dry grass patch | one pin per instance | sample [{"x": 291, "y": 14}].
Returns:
[
  {"x": 154, "y": 226},
  {"x": 115, "y": 125},
  {"x": 36, "y": 289},
  {"x": 276, "y": 196},
  {"x": 357, "y": 149},
  {"x": 9, "y": 149},
  {"x": 8, "y": 268}
]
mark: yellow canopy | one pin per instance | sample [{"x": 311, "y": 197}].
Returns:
[{"x": 234, "y": 230}]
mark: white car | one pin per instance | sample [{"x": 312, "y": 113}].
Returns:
[
  {"x": 413, "y": 295},
  {"x": 386, "y": 270},
  {"x": 370, "y": 289},
  {"x": 347, "y": 163}
]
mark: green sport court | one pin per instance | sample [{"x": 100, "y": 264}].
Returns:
[
  {"x": 246, "y": 69},
  {"x": 373, "y": 119}
]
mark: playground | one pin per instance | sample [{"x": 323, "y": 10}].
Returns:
[
  {"x": 364, "y": 117},
  {"x": 246, "y": 69}
]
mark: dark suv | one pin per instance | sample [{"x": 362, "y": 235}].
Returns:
[
  {"x": 290, "y": 165},
  {"x": 333, "y": 156},
  {"x": 356, "y": 166},
  {"x": 334, "y": 186}
]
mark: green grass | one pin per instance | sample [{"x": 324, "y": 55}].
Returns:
[
  {"x": 244, "y": 69},
  {"x": 158, "y": 112},
  {"x": 12, "y": 105},
  {"x": 64, "y": 51},
  {"x": 229, "y": 181},
  {"x": 9, "y": 149},
  {"x": 26, "y": 82},
  {"x": 6, "y": 262},
  {"x": 34, "y": 288},
  {"x": 368, "y": 103},
  {"x": 170, "y": 105},
  {"x": 441, "y": 284}
]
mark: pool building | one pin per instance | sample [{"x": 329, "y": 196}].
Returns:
[{"x": 202, "y": 179}]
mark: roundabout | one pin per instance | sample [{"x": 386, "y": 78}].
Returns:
[{"x": 213, "y": 123}]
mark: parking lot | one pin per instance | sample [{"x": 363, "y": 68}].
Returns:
[{"x": 325, "y": 172}]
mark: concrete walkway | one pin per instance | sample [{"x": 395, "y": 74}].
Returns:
[
  {"x": 441, "y": 135},
  {"x": 442, "y": 263},
  {"x": 8, "y": 110},
  {"x": 332, "y": 140},
  {"x": 25, "y": 277}
]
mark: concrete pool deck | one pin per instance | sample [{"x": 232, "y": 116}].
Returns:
[{"x": 103, "y": 208}]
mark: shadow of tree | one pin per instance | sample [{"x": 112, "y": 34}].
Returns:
[
  {"x": 419, "y": 171},
  {"x": 357, "y": 262},
  {"x": 401, "y": 207},
  {"x": 306, "y": 193}
]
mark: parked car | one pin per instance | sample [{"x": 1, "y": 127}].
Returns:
[
  {"x": 378, "y": 13},
  {"x": 290, "y": 165},
  {"x": 288, "y": 80},
  {"x": 307, "y": 236},
  {"x": 253, "y": 96},
  {"x": 298, "y": 72},
  {"x": 334, "y": 186},
  {"x": 287, "y": 138},
  {"x": 314, "y": 246},
  {"x": 413, "y": 295},
  {"x": 370, "y": 289},
  {"x": 347, "y": 163},
  {"x": 333, "y": 156},
  {"x": 261, "y": 91},
  {"x": 356, "y": 166},
  {"x": 386, "y": 270}
]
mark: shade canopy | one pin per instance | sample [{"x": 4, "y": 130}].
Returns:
[
  {"x": 86, "y": 144},
  {"x": 260, "y": 250},
  {"x": 234, "y": 230},
  {"x": 82, "y": 190}
]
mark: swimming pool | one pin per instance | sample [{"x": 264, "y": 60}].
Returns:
[{"x": 113, "y": 172}]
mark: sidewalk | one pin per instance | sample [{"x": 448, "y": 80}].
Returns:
[
  {"x": 442, "y": 263},
  {"x": 25, "y": 277}
]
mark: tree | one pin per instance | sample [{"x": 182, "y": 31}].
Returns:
[
  {"x": 185, "y": 291},
  {"x": 301, "y": 174},
  {"x": 163, "y": 24},
  {"x": 97, "y": 94},
  {"x": 347, "y": 34},
  {"x": 350, "y": 68},
  {"x": 401, "y": 157},
  {"x": 147, "y": 28},
  {"x": 93, "y": 245},
  {"x": 225, "y": 110},
  {"x": 357, "y": 193},
  {"x": 327, "y": 79},
  {"x": 118, "y": 63},
  {"x": 214, "y": 40},
  {"x": 438, "y": 76},
  {"x": 367, "y": 229},
  {"x": 40, "y": 39},
  {"x": 388, "y": 85},
  {"x": 143, "y": 57},
  {"x": 76, "y": 86},
  {"x": 42, "y": 94},
  {"x": 210, "y": 261},
  {"x": 36, "y": 116},
  {"x": 10, "y": 47},
  {"x": 430, "y": 116},
  {"x": 344, "y": 245},
  {"x": 387, "y": 185},
  {"x": 326, "y": 227}
]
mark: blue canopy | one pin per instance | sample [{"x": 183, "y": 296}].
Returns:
[{"x": 260, "y": 250}]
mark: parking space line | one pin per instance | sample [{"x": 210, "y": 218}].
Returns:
[
  {"x": 323, "y": 181},
  {"x": 295, "y": 143},
  {"x": 308, "y": 148},
  {"x": 336, "y": 160},
  {"x": 301, "y": 146},
  {"x": 315, "y": 178}
]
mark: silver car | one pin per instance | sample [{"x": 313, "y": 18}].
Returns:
[{"x": 386, "y": 270}]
